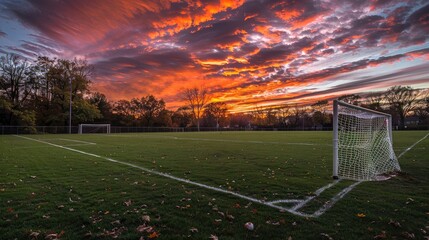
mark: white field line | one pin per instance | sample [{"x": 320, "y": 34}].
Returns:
[
  {"x": 222, "y": 140},
  {"x": 286, "y": 201},
  {"x": 334, "y": 200},
  {"x": 67, "y": 145},
  {"x": 410, "y": 147},
  {"x": 172, "y": 177},
  {"x": 72, "y": 140},
  {"x": 79, "y": 143},
  {"x": 316, "y": 194}
]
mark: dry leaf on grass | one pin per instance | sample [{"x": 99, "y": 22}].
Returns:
[
  {"x": 54, "y": 236},
  {"x": 153, "y": 235},
  {"x": 34, "y": 234},
  {"x": 145, "y": 228},
  {"x": 146, "y": 218},
  {"x": 213, "y": 237},
  {"x": 128, "y": 203},
  {"x": 408, "y": 235},
  {"x": 326, "y": 236},
  {"x": 382, "y": 235},
  {"x": 394, "y": 223}
]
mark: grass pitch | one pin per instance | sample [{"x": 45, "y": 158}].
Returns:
[{"x": 48, "y": 191}]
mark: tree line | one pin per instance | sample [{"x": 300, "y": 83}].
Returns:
[{"x": 39, "y": 93}]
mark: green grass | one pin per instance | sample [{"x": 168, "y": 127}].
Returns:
[{"x": 46, "y": 189}]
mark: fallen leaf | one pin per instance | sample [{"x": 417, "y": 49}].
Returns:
[
  {"x": 360, "y": 215},
  {"x": 54, "y": 236},
  {"x": 213, "y": 237},
  {"x": 408, "y": 235},
  {"x": 153, "y": 235},
  {"x": 34, "y": 234},
  {"x": 327, "y": 236},
  {"x": 193, "y": 230},
  {"x": 394, "y": 223},
  {"x": 144, "y": 228},
  {"x": 116, "y": 222},
  {"x": 382, "y": 235},
  {"x": 128, "y": 203},
  {"x": 146, "y": 218}
]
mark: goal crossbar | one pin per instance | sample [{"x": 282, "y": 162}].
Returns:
[{"x": 96, "y": 126}]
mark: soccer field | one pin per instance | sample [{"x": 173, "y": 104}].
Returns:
[{"x": 201, "y": 185}]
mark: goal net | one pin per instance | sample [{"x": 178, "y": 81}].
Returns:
[
  {"x": 94, "y": 128},
  {"x": 362, "y": 143}
]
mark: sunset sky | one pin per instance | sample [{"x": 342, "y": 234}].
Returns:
[{"x": 246, "y": 53}]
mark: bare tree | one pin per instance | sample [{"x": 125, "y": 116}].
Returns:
[
  {"x": 350, "y": 98},
  {"x": 374, "y": 102},
  {"x": 283, "y": 114},
  {"x": 319, "y": 112},
  {"x": 216, "y": 111},
  {"x": 422, "y": 110},
  {"x": 15, "y": 88},
  {"x": 402, "y": 101},
  {"x": 148, "y": 108},
  {"x": 298, "y": 113},
  {"x": 197, "y": 100}
]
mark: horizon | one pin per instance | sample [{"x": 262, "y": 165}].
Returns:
[{"x": 246, "y": 53}]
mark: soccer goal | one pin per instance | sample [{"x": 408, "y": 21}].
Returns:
[
  {"x": 94, "y": 128},
  {"x": 362, "y": 143}
]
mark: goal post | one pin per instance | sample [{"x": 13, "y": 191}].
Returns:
[
  {"x": 94, "y": 128},
  {"x": 362, "y": 143}
]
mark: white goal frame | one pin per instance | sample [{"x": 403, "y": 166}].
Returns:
[
  {"x": 94, "y": 125},
  {"x": 374, "y": 114}
]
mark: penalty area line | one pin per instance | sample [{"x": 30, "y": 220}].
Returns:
[{"x": 174, "y": 178}]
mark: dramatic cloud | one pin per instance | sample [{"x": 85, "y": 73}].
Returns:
[{"x": 264, "y": 52}]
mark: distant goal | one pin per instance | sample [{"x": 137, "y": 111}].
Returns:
[
  {"x": 362, "y": 142},
  {"x": 94, "y": 128}
]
